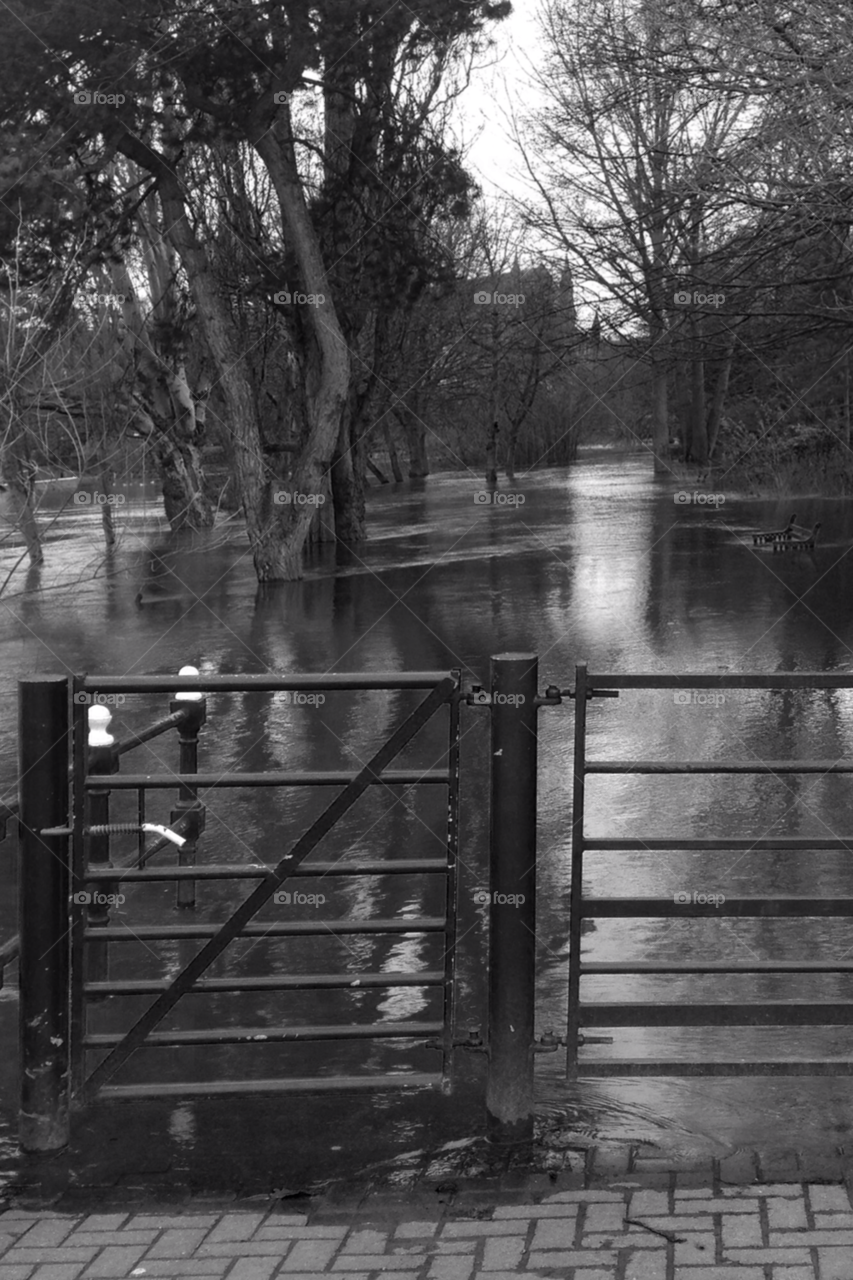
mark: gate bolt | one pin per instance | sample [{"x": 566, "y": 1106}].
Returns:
[
  {"x": 552, "y": 697},
  {"x": 548, "y": 1043}
]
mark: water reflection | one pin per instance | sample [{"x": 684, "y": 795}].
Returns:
[{"x": 599, "y": 565}]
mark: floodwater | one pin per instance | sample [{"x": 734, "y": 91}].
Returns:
[{"x": 600, "y": 564}]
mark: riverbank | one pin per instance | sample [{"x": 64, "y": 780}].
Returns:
[{"x": 609, "y": 1213}]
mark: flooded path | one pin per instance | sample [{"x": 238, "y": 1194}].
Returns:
[{"x": 600, "y": 564}]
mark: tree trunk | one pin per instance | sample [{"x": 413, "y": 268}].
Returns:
[
  {"x": 415, "y": 433},
  {"x": 660, "y": 418},
  {"x": 392, "y": 453},
  {"x": 107, "y": 479},
  {"x": 716, "y": 415},
  {"x": 18, "y": 472},
  {"x": 698, "y": 431},
  {"x": 184, "y": 499},
  {"x": 492, "y": 455}
]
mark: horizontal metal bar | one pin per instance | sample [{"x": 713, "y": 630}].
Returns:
[
  {"x": 206, "y": 781},
  {"x": 309, "y": 1084},
  {"x": 248, "y": 871},
  {"x": 697, "y": 680},
  {"x": 770, "y": 1013},
  {"x": 775, "y": 906},
  {"x": 276, "y": 982},
  {"x": 131, "y": 740},
  {"x": 716, "y": 966},
  {"x": 266, "y": 683},
  {"x": 719, "y": 766},
  {"x": 277, "y": 929},
  {"x": 781, "y": 843},
  {"x": 274, "y": 1035},
  {"x": 789, "y": 1067}
]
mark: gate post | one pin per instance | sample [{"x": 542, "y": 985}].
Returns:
[
  {"x": 512, "y": 896},
  {"x": 43, "y": 912}
]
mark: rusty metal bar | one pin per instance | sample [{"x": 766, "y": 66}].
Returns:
[
  {"x": 328, "y": 778},
  {"x": 238, "y": 922},
  {"x": 720, "y": 766},
  {"x": 512, "y": 896},
  {"x": 265, "y": 683},
  {"x": 275, "y": 929},
  {"x": 717, "y": 966},
  {"x": 787, "y": 1067},
  {"x": 780, "y": 843},
  {"x": 695, "y": 680},
  {"x": 450, "y": 866},
  {"x": 173, "y": 721},
  {"x": 309, "y": 1084},
  {"x": 192, "y": 707},
  {"x": 770, "y": 1013},
  {"x": 43, "y": 885},
  {"x": 575, "y": 900},
  {"x": 746, "y": 907},
  {"x": 276, "y": 982},
  {"x": 250, "y": 871},
  {"x": 276, "y": 1035}
]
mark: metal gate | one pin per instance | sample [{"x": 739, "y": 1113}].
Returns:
[
  {"x": 90, "y": 887},
  {"x": 786, "y": 1013}
]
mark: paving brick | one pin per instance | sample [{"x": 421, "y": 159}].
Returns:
[
  {"x": 693, "y": 1193},
  {"x": 643, "y": 1202},
  {"x": 183, "y": 1267},
  {"x": 594, "y": 1273},
  {"x": 115, "y": 1260},
  {"x": 6, "y": 1241},
  {"x": 504, "y": 1254},
  {"x": 253, "y": 1269},
  {"x": 698, "y": 1250},
  {"x": 474, "y": 1228},
  {"x": 103, "y": 1221},
  {"x": 111, "y": 1237},
  {"x": 834, "y": 1221},
  {"x": 35, "y": 1257},
  {"x": 719, "y": 1273},
  {"x": 456, "y": 1246},
  {"x": 741, "y": 1229},
  {"x": 793, "y": 1273},
  {"x": 613, "y": 1240},
  {"x": 829, "y": 1199},
  {"x": 57, "y": 1271},
  {"x": 14, "y": 1273},
  {"x": 645, "y": 1266},
  {"x": 781, "y": 1238},
  {"x": 554, "y": 1234},
  {"x": 571, "y": 1258},
  {"x": 592, "y": 1196},
  {"x": 455, "y": 1268},
  {"x": 797, "y": 1254},
  {"x": 684, "y": 1207},
  {"x": 178, "y": 1242},
  {"x": 236, "y": 1226},
  {"x": 534, "y": 1211},
  {"x": 49, "y": 1233},
  {"x": 788, "y": 1215},
  {"x": 604, "y": 1217},
  {"x": 376, "y": 1262},
  {"x": 677, "y": 1225},
  {"x": 834, "y": 1263},
  {"x": 273, "y": 1232},
  {"x": 365, "y": 1242},
  {"x": 254, "y": 1248},
  {"x": 792, "y": 1189},
  {"x": 314, "y": 1255},
  {"x": 416, "y": 1230},
  {"x": 164, "y": 1221}
]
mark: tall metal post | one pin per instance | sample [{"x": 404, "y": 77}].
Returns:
[
  {"x": 512, "y": 905},
  {"x": 193, "y": 704},
  {"x": 102, "y": 759},
  {"x": 43, "y": 915}
]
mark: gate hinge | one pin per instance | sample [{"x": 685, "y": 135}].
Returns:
[
  {"x": 549, "y": 1042},
  {"x": 474, "y": 1041},
  {"x": 590, "y": 693}
]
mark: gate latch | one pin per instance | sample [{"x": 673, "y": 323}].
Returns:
[
  {"x": 549, "y": 1042},
  {"x": 473, "y": 1041}
]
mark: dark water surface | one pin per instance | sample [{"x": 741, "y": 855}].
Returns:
[{"x": 598, "y": 564}]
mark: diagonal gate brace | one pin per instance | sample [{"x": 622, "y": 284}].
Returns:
[{"x": 287, "y": 867}]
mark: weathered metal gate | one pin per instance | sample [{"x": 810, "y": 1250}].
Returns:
[
  {"x": 785, "y": 1013},
  {"x": 92, "y": 881}
]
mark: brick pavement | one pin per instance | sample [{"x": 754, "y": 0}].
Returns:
[{"x": 645, "y": 1227}]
